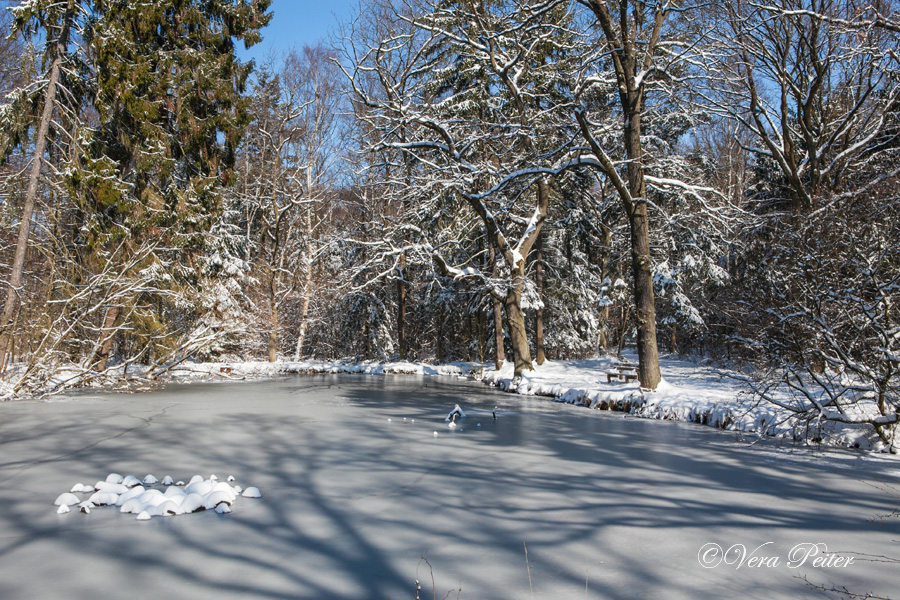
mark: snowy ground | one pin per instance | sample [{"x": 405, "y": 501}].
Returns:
[{"x": 689, "y": 391}]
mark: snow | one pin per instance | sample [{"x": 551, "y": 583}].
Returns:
[
  {"x": 115, "y": 488},
  {"x": 66, "y": 500},
  {"x": 104, "y": 498},
  {"x": 251, "y": 492},
  {"x": 255, "y": 370},
  {"x": 689, "y": 392},
  {"x": 148, "y": 502},
  {"x": 456, "y": 411}
]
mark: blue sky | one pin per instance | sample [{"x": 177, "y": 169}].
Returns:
[{"x": 297, "y": 23}]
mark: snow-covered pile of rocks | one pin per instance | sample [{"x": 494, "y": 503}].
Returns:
[{"x": 142, "y": 498}]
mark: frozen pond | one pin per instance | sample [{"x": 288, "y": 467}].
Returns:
[{"x": 352, "y": 502}]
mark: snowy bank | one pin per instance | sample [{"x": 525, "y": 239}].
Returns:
[
  {"x": 248, "y": 370},
  {"x": 689, "y": 392}
]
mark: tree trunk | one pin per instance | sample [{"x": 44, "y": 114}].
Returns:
[
  {"x": 273, "y": 322},
  {"x": 500, "y": 355},
  {"x": 539, "y": 318},
  {"x": 401, "y": 310},
  {"x": 307, "y": 287},
  {"x": 108, "y": 332},
  {"x": 644, "y": 301},
  {"x": 439, "y": 338},
  {"x": 603, "y": 341},
  {"x": 626, "y": 311},
  {"x": 604, "y": 275},
  {"x": 631, "y": 56},
  {"x": 518, "y": 336},
  {"x": 40, "y": 145},
  {"x": 301, "y": 336}
]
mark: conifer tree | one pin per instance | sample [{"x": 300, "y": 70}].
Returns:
[{"x": 171, "y": 112}]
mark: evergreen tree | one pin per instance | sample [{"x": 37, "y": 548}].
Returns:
[{"x": 171, "y": 112}]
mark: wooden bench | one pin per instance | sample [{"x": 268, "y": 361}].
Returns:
[{"x": 623, "y": 371}]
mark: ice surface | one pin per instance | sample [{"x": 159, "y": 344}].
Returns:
[
  {"x": 349, "y": 510},
  {"x": 690, "y": 392}
]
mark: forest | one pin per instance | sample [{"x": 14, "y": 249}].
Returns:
[{"x": 477, "y": 180}]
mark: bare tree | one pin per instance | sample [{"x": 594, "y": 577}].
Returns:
[
  {"x": 472, "y": 139},
  {"x": 58, "y": 22},
  {"x": 318, "y": 152},
  {"x": 814, "y": 91},
  {"x": 811, "y": 88},
  {"x": 645, "y": 46}
]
